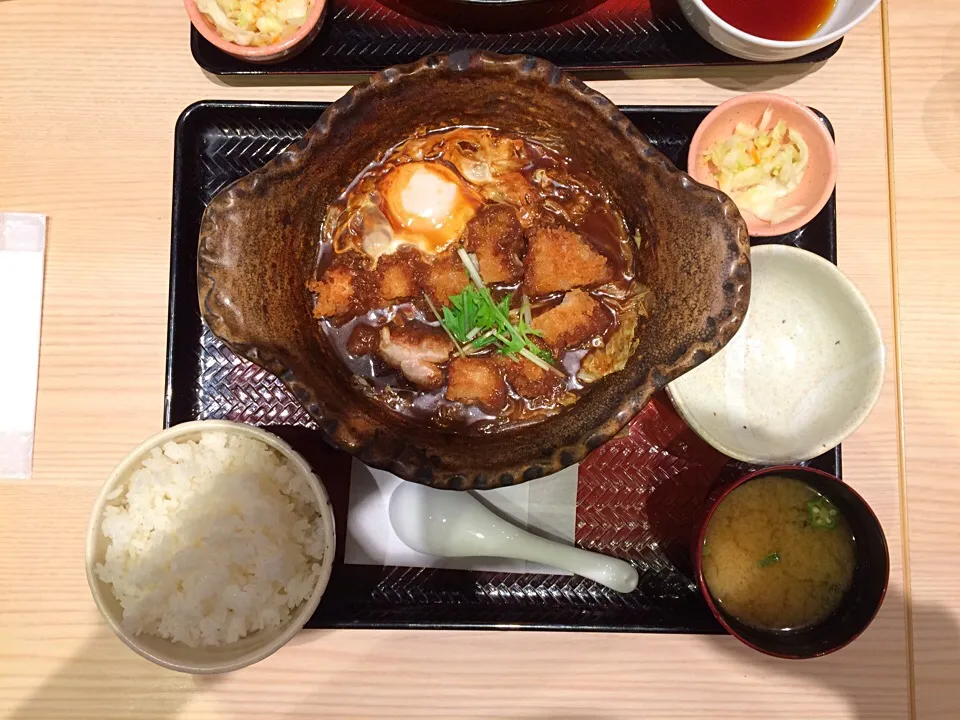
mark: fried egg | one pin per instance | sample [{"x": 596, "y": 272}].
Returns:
[{"x": 428, "y": 204}]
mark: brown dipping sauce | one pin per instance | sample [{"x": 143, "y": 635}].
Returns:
[
  {"x": 794, "y": 20},
  {"x": 547, "y": 191}
]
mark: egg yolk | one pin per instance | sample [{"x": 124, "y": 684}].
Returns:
[{"x": 428, "y": 204}]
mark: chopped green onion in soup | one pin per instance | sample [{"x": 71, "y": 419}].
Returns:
[
  {"x": 822, "y": 513},
  {"x": 771, "y": 559}
]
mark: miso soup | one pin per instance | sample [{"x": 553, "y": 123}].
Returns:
[{"x": 777, "y": 555}]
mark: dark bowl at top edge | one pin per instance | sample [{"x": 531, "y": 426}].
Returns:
[
  {"x": 493, "y": 2},
  {"x": 259, "y": 236}
]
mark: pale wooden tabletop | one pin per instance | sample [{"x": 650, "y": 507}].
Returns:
[{"x": 86, "y": 136}]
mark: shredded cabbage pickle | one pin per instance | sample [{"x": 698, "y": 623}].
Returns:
[
  {"x": 756, "y": 167},
  {"x": 256, "y": 22}
]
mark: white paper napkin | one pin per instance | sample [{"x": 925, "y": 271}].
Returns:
[
  {"x": 22, "y": 237},
  {"x": 546, "y": 506}
]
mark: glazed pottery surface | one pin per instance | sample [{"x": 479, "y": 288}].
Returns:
[{"x": 260, "y": 237}]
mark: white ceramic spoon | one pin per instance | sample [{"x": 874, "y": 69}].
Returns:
[{"x": 455, "y": 524}]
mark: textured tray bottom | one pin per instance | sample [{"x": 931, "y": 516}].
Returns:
[{"x": 639, "y": 496}]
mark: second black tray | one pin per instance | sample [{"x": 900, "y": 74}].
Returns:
[
  {"x": 639, "y": 502},
  {"x": 367, "y": 35}
]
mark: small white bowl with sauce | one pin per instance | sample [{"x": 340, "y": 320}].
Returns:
[
  {"x": 802, "y": 373},
  {"x": 846, "y": 15}
]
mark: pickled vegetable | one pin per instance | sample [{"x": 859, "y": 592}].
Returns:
[{"x": 757, "y": 166}]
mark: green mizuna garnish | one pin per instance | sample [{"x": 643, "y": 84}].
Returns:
[
  {"x": 475, "y": 320},
  {"x": 473, "y": 313}
]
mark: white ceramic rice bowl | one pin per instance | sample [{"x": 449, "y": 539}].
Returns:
[{"x": 178, "y": 656}]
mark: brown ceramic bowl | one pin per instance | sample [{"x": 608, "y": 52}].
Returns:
[{"x": 259, "y": 237}]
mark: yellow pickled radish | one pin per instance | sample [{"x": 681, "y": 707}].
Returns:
[{"x": 757, "y": 166}]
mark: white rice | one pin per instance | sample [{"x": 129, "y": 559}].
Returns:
[{"x": 213, "y": 540}]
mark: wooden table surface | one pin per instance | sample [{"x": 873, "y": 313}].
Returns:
[{"x": 86, "y": 137}]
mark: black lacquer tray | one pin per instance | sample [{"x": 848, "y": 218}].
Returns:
[
  {"x": 638, "y": 496},
  {"x": 361, "y": 36}
]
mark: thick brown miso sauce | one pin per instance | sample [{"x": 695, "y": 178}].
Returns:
[{"x": 559, "y": 192}]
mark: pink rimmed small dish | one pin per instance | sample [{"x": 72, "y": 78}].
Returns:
[
  {"x": 276, "y": 52},
  {"x": 819, "y": 178}
]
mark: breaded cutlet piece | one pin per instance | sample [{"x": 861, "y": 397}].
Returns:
[
  {"x": 334, "y": 291},
  {"x": 344, "y": 290},
  {"x": 445, "y": 276},
  {"x": 399, "y": 274},
  {"x": 559, "y": 259},
  {"x": 575, "y": 320},
  {"x": 495, "y": 235},
  {"x": 529, "y": 380},
  {"x": 477, "y": 381},
  {"x": 416, "y": 350}
]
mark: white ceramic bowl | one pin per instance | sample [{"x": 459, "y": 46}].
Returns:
[
  {"x": 801, "y": 374},
  {"x": 177, "y": 656},
  {"x": 845, "y": 16}
]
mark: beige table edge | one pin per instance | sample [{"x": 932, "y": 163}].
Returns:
[{"x": 922, "y": 90}]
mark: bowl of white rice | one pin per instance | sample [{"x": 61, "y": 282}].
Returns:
[{"x": 210, "y": 546}]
